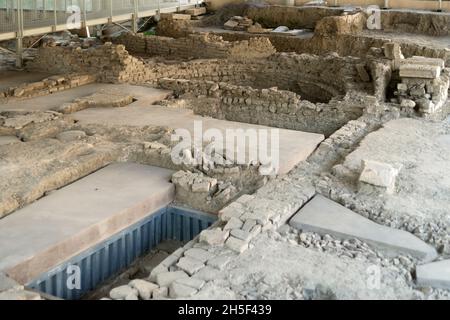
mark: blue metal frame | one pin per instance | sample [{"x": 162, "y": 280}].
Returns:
[{"x": 113, "y": 255}]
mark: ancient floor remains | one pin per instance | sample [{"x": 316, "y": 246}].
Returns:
[{"x": 316, "y": 151}]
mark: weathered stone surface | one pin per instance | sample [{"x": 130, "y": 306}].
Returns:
[
  {"x": 190, "y": 265},
  {"x": 207, "y": 274},
  {"x": 120, "y": 293},
  {"x": 198, "y": 254},
  {"x": 220, "y": 262},
  {"x": 161, "y": 293},
  {"x": 379, "y": 174},
  {"x": 214, "y": 237},
  {"x": 72, "y": 135},
  {"x": 143, "y": 287},
  {"x": 8, "y": 140},
  {"x": 435, "y": 274},
  {"x": 191, "y": 282},
  {"x": 424, "y": 61},
  {"x": 157, "y": 270},
  {"x": 166, "y": 278},
  {"x": 72, "y": 219},
  {"x": 419, "y": 71},
  {"x": 236, "y": 244},
  {"x": 241, "y": 234},
  {"x": 324, "y": 216},
  {"x": 178, "y": 290},
  {"x": 233, "y": 223}
]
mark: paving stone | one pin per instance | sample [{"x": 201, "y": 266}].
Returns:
[
  {"x": 324, "y": 216},
  {"x": 435, "y": 274},
  {"x": 220, "y": 262},
  {"x": 235, "y": 209},
  {"x": 192, "y": 282},
  {"x": 236, "y": 244},
  {"x": 199, "y": 254},
  {"x": 233, "y": 223},
  {"x": 170, "y": 260},
  {"x": 143, "y": 287},
  {"x": 248, "y": 224},
  {"x": 207, "y": 274},
  {"x": 177, "y": 290},
  {"x": 157, "y": 270},
  {"x": 190, "y": 265},
  {"x": 121, "y": 292},
  {"x": 256, "y": 230},
  {"x": 166, "y": 278},
  {"x": 214, "y": 237},
  {"x": 160, "y": 293},
  {"x": 241, "y": 234}
]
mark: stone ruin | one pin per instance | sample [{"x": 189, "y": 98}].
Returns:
[{"x": 339, "y": 87}]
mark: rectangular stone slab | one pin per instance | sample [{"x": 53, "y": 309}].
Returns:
[
  {"x": 435, "y": 274},
  {"x": 70, "y": 220},
  {"x": 419, "y": 71},
  {"x": 325, "y": 216},
  {"x": 294, "y": 146}
]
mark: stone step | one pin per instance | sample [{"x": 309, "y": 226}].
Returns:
[
  {"x": 324, "y": 216},
  {"x": 74, "y": 218},
  {"x": 435, "y": 274}
]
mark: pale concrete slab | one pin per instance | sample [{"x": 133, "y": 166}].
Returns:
[
  {"x": 80, "y": 215},
  {"x": 294, "y": 146},
  {"x": 147, "y": 95},
  {"x": 435, "y": 274},
  {"x": 324, "y": 216}
]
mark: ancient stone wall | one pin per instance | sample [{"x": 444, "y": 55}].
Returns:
[
  {"x": 109, "y": 63},
  {"x": 347, "y": 44},
  {"x": 272, "y": 107},
  {"x": 197, "y": 46}
]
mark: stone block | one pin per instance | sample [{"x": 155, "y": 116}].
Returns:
[
  {"x": 325, "y": 216},
  {"x": 190, "y": 265},
  {"x": 236, "y": 244},
  {"x": 199, "y": 254},
  {"x": 196, "y": 11},
  {"x": 166, "y": 278},
  {"x": 379, "y": 174},
  {"x": 214, "y": 237},
  {"x": 144, "y": 288},
  {"x": 178, "y": 290},
  {"x": 233, "y": 223},
  {"x": 419, "y": 71},
  {"x": 435, "y": 274}
]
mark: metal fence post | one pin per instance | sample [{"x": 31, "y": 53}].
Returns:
[
  {"x": 135, "y": 17},
  {"x": 55, "y": 15},
  {"x": 19, "y": 39}
]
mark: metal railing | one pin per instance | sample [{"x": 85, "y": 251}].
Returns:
[{"x": 21, "y": 18}]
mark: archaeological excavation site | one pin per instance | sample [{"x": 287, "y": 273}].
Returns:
[{"x": 224, "y": 150}]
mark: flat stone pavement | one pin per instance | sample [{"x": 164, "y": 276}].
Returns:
[
  {"x": 55, "y": 100},
  {"x": 325, "y": 216},
  {"x": 435, "y": 274},
  {"x": 294, "y": 146},
  {"x": 70, "y": 220}
]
